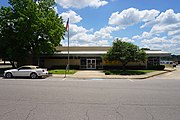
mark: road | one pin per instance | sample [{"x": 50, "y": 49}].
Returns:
[{"x": 156, "y": 98}]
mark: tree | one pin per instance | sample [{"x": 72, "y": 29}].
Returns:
[
  {"x": 10, "y": 47},
  {"x": 30, "y": 28},
  {"x": 125, "y": 52},
  {"x": 145, "y": 49}
]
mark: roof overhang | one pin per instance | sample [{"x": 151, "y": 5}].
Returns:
[
  {"x": 159, "y": 53},
  {"x": 99, "y": 51}
]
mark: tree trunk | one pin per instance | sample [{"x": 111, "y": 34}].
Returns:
[
  {"x": 34, "y": 60},
  {"x": 124, "y": 66},
  {"x": 35, "y": 56},
  {"x": 13, "y": 64}
]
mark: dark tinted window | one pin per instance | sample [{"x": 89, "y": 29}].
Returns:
[{"x": 24, "y": 68}]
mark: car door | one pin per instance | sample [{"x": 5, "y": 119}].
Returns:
[{"x": 24, "y": 71}]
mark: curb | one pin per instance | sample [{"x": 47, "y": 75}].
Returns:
[
  {"x": 153, "y": 75},
  {"x": 112, "y": 77}
]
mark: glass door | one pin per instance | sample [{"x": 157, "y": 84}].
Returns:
[{"x": 91, "y": 63}]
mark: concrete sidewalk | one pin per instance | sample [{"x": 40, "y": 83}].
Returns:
[{"x": 85, "y": 74}]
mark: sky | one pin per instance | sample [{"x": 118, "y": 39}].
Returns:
[{"x": 153, "y": 24}]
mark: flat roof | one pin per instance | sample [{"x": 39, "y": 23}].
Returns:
[
  {"x": 82, "y": 52},
  {"x": 100, "y": 50},
  {"x": 156, "y": 52},
  {"x": 82, "y": 48},
  {"x": 148, "y": 52}
]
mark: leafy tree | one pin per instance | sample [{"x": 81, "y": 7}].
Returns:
[
  {"x": 29, "y": 28},
  {"x": 145, "y": 49},
  {"x": 10, "y": 47},
  {"x": 125, "y": 52}
]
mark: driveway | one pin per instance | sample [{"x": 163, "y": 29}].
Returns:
[{"x": 170, "y": 75}]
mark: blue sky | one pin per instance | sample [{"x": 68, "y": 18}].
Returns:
[{"x": 154, "y": 24}]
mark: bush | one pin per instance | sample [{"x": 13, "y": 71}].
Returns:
[
  {"x": 107, "y": 72},
  {"x": 127, "y": 72},
  {"x": 112, "y": 67},
  {"x": 131, "y": 72},
  {"x": 156, "y": 67}
]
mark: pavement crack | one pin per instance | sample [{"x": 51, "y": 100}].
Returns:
[
  {"x": 117, "y": 112},
  {"x": 18, "y": 100},
  {"x": 7, "y": 112},
  {"x": 30, "y": 111},
  {"x": 152, "y": 117},
  {"x": 87, "y": 116}
]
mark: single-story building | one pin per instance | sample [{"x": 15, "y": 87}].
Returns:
[{"x": 91, "y": 58}]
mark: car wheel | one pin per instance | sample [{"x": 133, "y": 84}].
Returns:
[
  {"x": 8, "y": 75},
  {"x": 33, "y": 75}
]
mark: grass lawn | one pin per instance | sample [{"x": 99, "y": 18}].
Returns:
[
  {"x": 127, "y": 72},
  {"x": 60, "y": 71}
]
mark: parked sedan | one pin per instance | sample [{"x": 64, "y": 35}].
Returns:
[{"x": 26, "y": 71}]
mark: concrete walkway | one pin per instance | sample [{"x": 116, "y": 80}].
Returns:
[
  {"x": 89, "y": 74},
  {"x": 84, "y": 74}
]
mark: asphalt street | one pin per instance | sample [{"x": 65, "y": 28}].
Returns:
[{"x": 156, "y": 98}]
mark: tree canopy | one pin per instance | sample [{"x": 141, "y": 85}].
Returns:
[
  {"x": 125, "y": 52},
  {"x": 29, "y": 27}
]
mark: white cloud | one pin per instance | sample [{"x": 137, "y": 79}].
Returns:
[
  {"x": 169, "y": 44},
  {"x": 164, "y": 30},
  {"x": 73, "y": 16},
  {"x": 56, "y": 9},
  {"x": 74, "y": 30},
  {"x": 144, "y": 35},
  {"x": 174, "y": 33},
  {"x": 80, "y": 36},
  {"x": 126, "y": 39},
  {"x": 136, "y": 37},
  {"x": 105, "y": 32},
  {"x": 155, "y": 40},
  {"x": 81, "y": 3},
  {"x": 132, "y": 16},
  {"x": 157, "y": 29},
  {"x": 164, "y": 34},
  {"x": 165, "y": 18},
  {"x": 167, "y": 22}
]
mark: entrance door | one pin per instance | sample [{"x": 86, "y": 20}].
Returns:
[{"x": 91, "y": 63}]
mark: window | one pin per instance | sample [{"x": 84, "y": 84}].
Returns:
[
  {"x": 24, "y": 68},
  {"x": 153, "y": 60}
]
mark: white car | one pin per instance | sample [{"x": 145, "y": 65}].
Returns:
[{"x": 26, "y": 71}]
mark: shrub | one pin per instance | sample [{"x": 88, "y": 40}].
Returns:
[
  {"x": 117, "y": 67},
  {"x": 156, "y": 67},
  {"x": 127, "y": 72},
  {"x": 107, "y": 72}
]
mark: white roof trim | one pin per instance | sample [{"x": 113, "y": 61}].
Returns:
[
  {"x": 156, "y": 52},
  {"x": 82, "y": 52},
  {"x": 148, "y": 52}
]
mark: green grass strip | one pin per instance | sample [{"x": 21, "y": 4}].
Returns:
[{"x": 60, "y": 71}]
